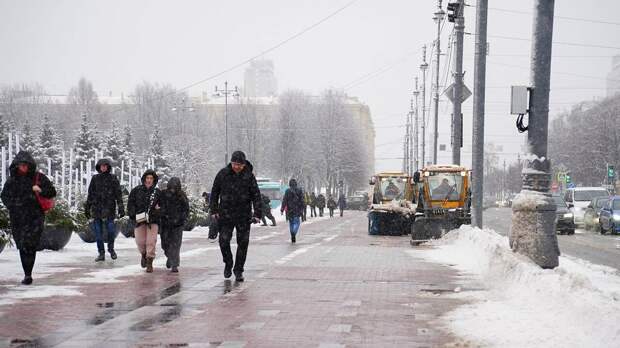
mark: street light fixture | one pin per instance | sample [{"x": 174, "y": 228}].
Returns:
[{"x": 225, "y": 92}]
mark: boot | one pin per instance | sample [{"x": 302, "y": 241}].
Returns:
[
  {"x": 27, "y": 280},
  {"x": 174, "y": 269},
  {"x": 101, "y": 257},
  {"x": 293, "y": 239},
  {"x": 239, "y": 276},
  {"x": 227, "y": 271},
  {"x": 149, "y": 265},
  {"x": 168, "y": 264},
  {"x": 143, "y": 261},
  {"x": 112, "y": 254}
]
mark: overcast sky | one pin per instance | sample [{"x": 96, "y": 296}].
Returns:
[{"x": 117, "y": 44}]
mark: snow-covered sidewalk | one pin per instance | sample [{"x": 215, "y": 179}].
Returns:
[{"x": 575, "y": 305}]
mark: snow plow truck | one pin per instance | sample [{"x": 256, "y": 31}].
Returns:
[
  {"x": 392, "y": 211},
  {"x": 443, "y": 201}
]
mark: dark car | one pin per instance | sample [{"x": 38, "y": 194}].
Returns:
[
  {"x": 357, "y": 203},
  {"x": 609, "y": 218},
  {"x": 564, "y": 222},
  {"x": 590, "y": 217}
]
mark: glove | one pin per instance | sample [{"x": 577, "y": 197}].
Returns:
[{"x": 121, "y": 213}]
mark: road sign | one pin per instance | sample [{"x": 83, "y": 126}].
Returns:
[
  {"x": 449, "y": 92},
  {"x": 570, "y": 185},
  {"x": 554, "y": 186}
]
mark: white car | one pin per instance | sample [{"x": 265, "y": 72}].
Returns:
[{"x": 578, "y": 198}]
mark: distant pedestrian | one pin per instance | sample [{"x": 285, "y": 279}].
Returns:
[
  {"x": 19, "y": 195},
  {"x": 233, "y": 196},
  {"x": 104, "y": 199},
  {"x": 305, "y": 206},
  {"x": 342, "y": 204},
  {"x": 143, "y": 209},
  {"x": 174, "y": 211},
  {"x": 205, "y": 197},
  {"x": 313, "y": 202},
  {"x": 267, "y": 211},
  {"x": 320, "y": 203},
  {"x": 293, "y": 203},
  {"x": 331, "y": 205}
]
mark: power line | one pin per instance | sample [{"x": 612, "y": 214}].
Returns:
[
  {"x": 587, "y": 20},
  {"x": 577, "y": 44}
]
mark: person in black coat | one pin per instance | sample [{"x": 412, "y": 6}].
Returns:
[
  {"x": 144, "y": 198},
  {"x": 174, "y": 211},
  {"x": 267, "y": 211},
  {"x": 331, "y": 205},
  {"x": 104, "y": 196},
  {"x": 293, "y": 204},
  {"x": 320, "y": 203},
  {"x": 27, "y": 218},
  {"x": 342, "y": 203},
  {"x": 234, "y": 194},
  {"x": 313, "y": 202}
]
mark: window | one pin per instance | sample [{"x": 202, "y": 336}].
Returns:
[
  {"x": 445, "y": 186},
  {"x": 589, "y": 194},
  {"x": 392, "y": 188}
]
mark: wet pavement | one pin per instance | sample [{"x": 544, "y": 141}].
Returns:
[{"x": 336, "y": 287}]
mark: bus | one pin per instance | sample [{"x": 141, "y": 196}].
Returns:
[{"x": 274, "y": 189}]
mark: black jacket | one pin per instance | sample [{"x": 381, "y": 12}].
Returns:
[
  {"x": 24, "y": 210},
  {"x": 293, "y": 201},
  {"x": 235, "y": 194},
  {"x": 143, "y": 199},
  {"x": 320, "y": 201},
  {"x": 331, "y": 203},
  {"x": 266, "y": 205},
  {"x": 104, "y": 193},
  {"x": 174, "y": 205}
]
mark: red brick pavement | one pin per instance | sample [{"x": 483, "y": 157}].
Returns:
[{"x": 336, "y": 287}]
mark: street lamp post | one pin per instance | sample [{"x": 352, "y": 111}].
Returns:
[{"x": 226, "y": 92}]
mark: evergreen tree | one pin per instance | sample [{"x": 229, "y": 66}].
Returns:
[
  {"x": 85, "y": 143},
  {"x": 50, "y": 146},
  {"x": 114, "y": 147},
  {"x": 127, "y": 144},
  {"x": 26, "y": 140},
  {"x": 159, "y": 157}
]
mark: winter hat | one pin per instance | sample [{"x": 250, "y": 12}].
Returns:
[
  {"x": 292, "y": 183},
  {"x": 238, "y": 157}
]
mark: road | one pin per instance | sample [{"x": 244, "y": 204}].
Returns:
[
  {"x": 336, "y": 287},
  {"x": 590, "y": 246}
]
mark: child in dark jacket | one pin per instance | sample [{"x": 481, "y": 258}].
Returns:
[{"x": 174, "y": 213}]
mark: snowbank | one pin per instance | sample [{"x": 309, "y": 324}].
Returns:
[{"x": 574, "y": 305}]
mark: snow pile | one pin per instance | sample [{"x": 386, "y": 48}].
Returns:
[{"x": 575, "y": 305}]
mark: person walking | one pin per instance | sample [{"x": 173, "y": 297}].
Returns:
[
  {"x": 267, "y": 210},
  {"x": 104, "y": 197},
  {"x": 320, "y": 203},
  {"x": 19, "y": 196},
  {"x": 143, "y": 209},
  {"x": 342, "y": 203},
  {"x": 331, "y": 205},
  {"x": 234, "y": 196},
  {"x": 174, "y": 211},
  {"x": 293, "y": 203},
  {"x": 313, "y": 201},
  {"x": 305, "y": 200}
]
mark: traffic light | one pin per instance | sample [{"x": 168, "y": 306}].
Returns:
[
  {"x": 568, "y": 178},
  {"x": 453, "y": 11},
  {"x": 611, "y": 172}
]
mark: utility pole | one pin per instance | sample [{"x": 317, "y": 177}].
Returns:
[
  {"x": 226, "y": 92},
  {"x": 480, "y": 69},
  {"x": 423, "y": 67},
  {"x": 438, "y": 18},
  {"x": 411, "y": 136},
  {"x": 533, "y": 212},
  {"x": 416, "y": 129},
  {"x": 457, "y": 100}
]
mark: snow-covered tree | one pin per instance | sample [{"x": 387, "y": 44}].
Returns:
[
  {"x": 113, "y": 145},
  {"x": 85, "y": 143},
  {"x": 160, "y": 159},
  {"x": 50, "y": 146},
  {"x": 26, "y": 140},
  {"x": 84, "y": 96},
  {"x": 5, "y": 128},
  {"x": 126, "y": 145}
]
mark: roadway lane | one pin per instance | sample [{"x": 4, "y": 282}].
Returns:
[{"x": 590, "y": 246}]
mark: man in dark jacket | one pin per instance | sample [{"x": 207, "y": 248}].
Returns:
[
  {"x": 234, "y": 194},
  {"x": 267, "y": 211},
  {"x": 104, "y": 196},
  {"x": 342, "y": 203},
  {"x": 293, "y": 203},
  {"x": 313, "y": 201},
  {"x": 174, "y": 211},
  {"x": 320, "y": 203},
  {"x": 27, "y": 218}
]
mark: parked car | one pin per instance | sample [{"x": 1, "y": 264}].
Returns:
[
  {"x": 578, "y": 199},
  {"x": 609, "y": 218},
  {"x": 564, "y": 222},
  {"x": 590, "y": 217},
  {"x": 357, "y": 202}
]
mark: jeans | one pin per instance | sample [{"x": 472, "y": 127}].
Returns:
[
  {"x": 110, "y": 228},
  {"x": 293, "y": 224}
]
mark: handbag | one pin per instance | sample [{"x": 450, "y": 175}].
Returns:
[
  {"x": 45, "y": 203},
  {"x": 141, "y": 217}
]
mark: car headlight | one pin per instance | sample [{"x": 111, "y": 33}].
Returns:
[
  {"x": 568, "y": 215},
  {"x": 616, "y": 217}
]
